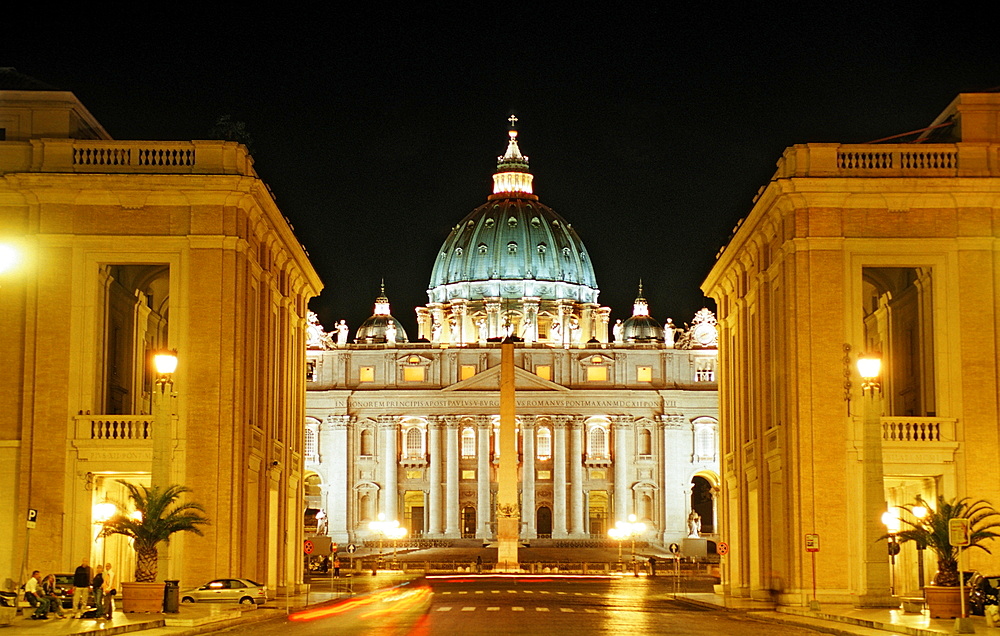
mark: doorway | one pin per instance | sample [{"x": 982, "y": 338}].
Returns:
[
  {"x": 469, "y": 522},
  {"x": 543, "y": 521}
]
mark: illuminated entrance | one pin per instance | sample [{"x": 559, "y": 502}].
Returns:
[{"x": 413, "y": 512}]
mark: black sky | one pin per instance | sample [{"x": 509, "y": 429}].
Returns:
[{"x": 650, "y": 130}]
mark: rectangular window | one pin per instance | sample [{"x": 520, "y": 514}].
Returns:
[
  {"x": 468, "y": 370},
  {"x": 544, "y": 371},
  {"x": 544, "y": 474},
  {"x": 310, "y": 370},
  {"x": 413, "y": 374},
  {"x": 597, "y": 374},
  {"x": 468, "y": 474},
  {"x": 366, "y": 374},
  {"x": 644, "y": 374}
]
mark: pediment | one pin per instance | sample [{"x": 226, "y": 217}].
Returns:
[{"x": 489, "y": 380}]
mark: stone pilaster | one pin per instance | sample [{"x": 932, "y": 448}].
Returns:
[
  {"x": 389, "y": 461},
  {"x": 451, "y": 527},
  {"x": 434, "y": 510},
  {"x": 577, "y": 528}
]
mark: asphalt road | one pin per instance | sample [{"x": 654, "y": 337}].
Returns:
[{"x": 474, "y": 605}]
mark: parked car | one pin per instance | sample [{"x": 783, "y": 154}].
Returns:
[
  {"x": 984, "y": 591},
  {"x": 227, "y": 591},
  {"x": 64, "y": 590}
]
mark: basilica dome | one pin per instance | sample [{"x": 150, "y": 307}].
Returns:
[
  {"x": 513, "y": 246},
  {"x": 381, "y": 326}
]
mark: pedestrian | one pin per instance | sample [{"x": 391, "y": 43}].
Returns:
[
  {"x": 479, "y": 564},
  {"x": 110, "y": 590},
  {"x": 98, "y": 586},
  {"x": 336, "y": 567},
  {"x": 32, "y": 593},
  {"x": 48, "y": 602},
  {"x": 652, "y": 567},
  {"x": 81, "y": 587},
  {"x": 326, "y": 565}
]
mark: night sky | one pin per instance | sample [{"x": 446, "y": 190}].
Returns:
[{"x": 650, "y": 130}]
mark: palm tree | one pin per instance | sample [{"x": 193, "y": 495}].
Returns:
[
  {"x": 932, "y": 532},
  {"x": 152, "y": 516}
]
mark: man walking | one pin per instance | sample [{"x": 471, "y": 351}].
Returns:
[
  {"x": 81, "y": 587},
  {"x": 98, "y": 584}
]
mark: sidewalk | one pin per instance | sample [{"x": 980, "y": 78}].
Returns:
[
  {"x": 200, "y": 618},
  {"x": 845, "y": 619}
]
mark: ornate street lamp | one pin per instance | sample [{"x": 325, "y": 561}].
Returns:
[
  {"x": 165, "y": 364},
  {"x": 877, "y": 590},
  {"x": 627, "y": 530},
  {"x": 100, "y": 513}
]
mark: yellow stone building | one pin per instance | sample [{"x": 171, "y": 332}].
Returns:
[
  {"x": 129, "y": 247},
  {"x": 883, "y": 247}
]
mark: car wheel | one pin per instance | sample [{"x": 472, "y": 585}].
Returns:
[
  {"x": 187, "y": 599},
  {"x": 246, "y": 600}
]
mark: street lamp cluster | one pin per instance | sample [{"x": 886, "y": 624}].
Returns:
[
  {"x": 387, "y": 529},
  {"x": 627, "y": 530}
]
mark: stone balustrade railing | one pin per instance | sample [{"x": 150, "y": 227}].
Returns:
[
  {"x": 917, "y": 430},
  {"x": 147, "y": 157},
  {"x": 114, "y": 428},
  {"x": 890, "y": 160}
]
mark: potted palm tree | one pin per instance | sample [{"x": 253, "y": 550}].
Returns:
[
  {"x": 149, "y": 517},
  {"x": 931, "y": 531}
]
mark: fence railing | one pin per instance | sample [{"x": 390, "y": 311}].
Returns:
[{"x": 114, "y": 428}]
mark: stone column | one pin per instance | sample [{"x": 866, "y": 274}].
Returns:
[
  {"x": 577, "y": 527},
  {"x": 621, "y": 458},
  {"x": 333, "y": 435},
  {"x": 676, "y": 486},
  {"x": 434, "y": 479},
  {"x": 493, "y": 320},
  {"x": 559, "y": 480},
  {"x": 451, "y": 528},
  {"x": 528, "y": 479},
  {"x": 390, "y": 465},
  {"x": 423, "y": 322},
  {"x": 483, "y": 508}
]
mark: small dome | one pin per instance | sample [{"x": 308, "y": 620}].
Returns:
[
  {"x": 641, "y": 327},
  {"x": 374, "y": 330}
]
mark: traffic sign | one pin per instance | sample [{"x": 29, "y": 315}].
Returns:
[
  {"x": 351, "y": 548},
  {"x": 812, "y": 543},
  {"x": 674, "y": 548},
  {"x": 958, "y": 532},
  {"x": 307, "y": 547},
  {"x": 722, "y": 548},
  {"x": 32, "y": 517}
]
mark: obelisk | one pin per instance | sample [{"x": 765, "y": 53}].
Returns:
[{"x": 508, "y": 509}]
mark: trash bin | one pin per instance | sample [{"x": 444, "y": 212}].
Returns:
[{"x": 171, "y": 597}]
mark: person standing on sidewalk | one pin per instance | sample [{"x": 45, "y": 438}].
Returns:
[
  {"x": 81, "y": 587},
  {"x": 110, "y": 590},
  {"x": 98, "y": 587}
]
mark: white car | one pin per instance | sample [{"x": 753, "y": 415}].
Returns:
[{"x": 227, "y": 591}]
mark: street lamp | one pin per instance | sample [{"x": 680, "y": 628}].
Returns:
[
  {"x": 891, "y": 520},
  {"x": 876, "y": 580},
  {"x": 165, "y": 363},
  {"x": 10, "y": 256},
  {"x": 390, "y": 529},
  {"x": 101, "y": 513},
  {"x": 627, "y": 530},
  {"x": 920, "y": 511}
]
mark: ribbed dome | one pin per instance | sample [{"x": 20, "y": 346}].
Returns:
[
  {"x": 373, "y": 330},
  {"x": 641, "y": 327},
  {"x": 513, "y": 246}
]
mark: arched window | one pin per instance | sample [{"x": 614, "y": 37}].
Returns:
[
  {"x": 367, "y": 447},
  {"x": 468, "y": 442},
  {"x": 543, "y": 439},
  {"x": 597, "y": 443},
  {"x": 645, "y": 442},
  {"x": 414, "y": 442}
]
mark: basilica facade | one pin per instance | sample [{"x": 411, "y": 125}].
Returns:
[{"x": 612, "y": 420}]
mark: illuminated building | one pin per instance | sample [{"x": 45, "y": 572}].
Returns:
[
  {"x": 885, "y": 248},
  {"x": 607, "y": 427},
  {"x": 133, "y": 246}
]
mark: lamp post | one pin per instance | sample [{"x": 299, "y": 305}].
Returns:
[
  {"x": 920, "y": 511},
  {"x": 891, "y": 520},
  {"x": 101, "y": 513},
  {"x": 627, "y": 530},
  {"x": 165, "y": 363},
  {"x": 390, "y": 529},
  {"x": 876, "y": 586}
]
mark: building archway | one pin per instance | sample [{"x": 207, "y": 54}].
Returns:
[
  {"x": 703, "y": 502},
  {"x": 543, "y": 522}
]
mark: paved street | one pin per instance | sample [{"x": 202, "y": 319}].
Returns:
[{"x": 520, "y": 605}]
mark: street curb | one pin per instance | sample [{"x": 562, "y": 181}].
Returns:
[{"x": 124, "y": 629}]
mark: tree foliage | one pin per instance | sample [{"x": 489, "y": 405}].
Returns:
[
  {"x": 160, "y": 516},
  {"x": 932, "y": 532}
]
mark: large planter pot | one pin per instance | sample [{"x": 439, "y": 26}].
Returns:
[
  {"x": 945, "y": 602},
  {"x": 142, "y": 597}
]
